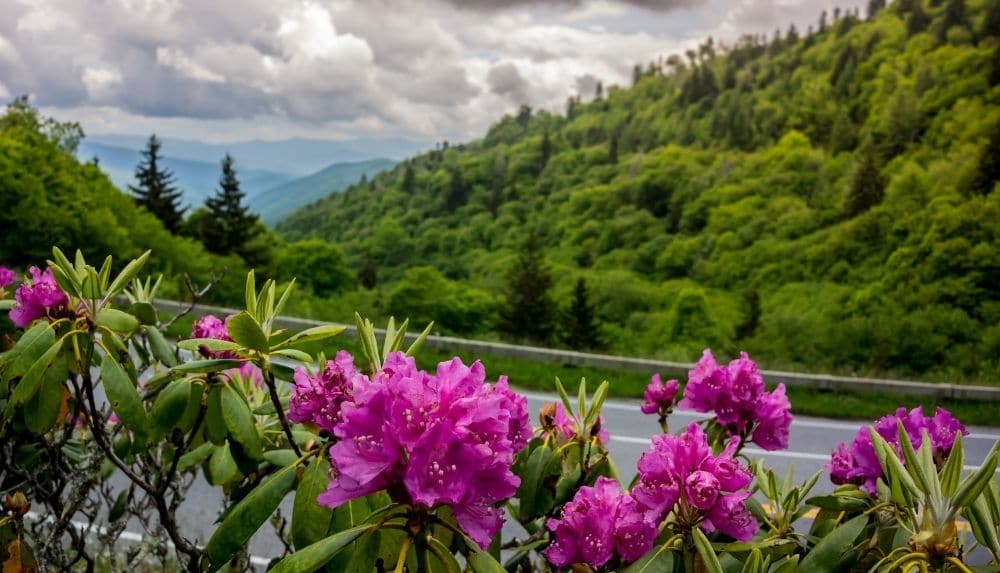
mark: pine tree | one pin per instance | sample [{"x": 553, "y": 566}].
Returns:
[
  {"x": 368, "y": 271},
  {"x": 988, "y": 170},
  {"x": 918, "y": 19},
  {"x": 528, "y": 314},
  {"x": 545, "y": 152},
  {"x": 636, "y": 74},
  {"x": 954, "y": 15},
  {"x": 457, "y": 193},
  {"x": 991, "y": 22},
  {"x": 582, "y": 329},
  {"x": 155, "y": 190},
  {"x": 874, "y": 7},
  {"x": 867, "y": 185},
  {"x": 613, "y": 148},
  {"x": 747, "y": 328},
  {"x": 231, "y": 224},
  {"x": 409, "y": 179},
  {"x": 599, "y": 90}
]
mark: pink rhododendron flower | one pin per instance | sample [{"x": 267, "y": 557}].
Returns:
[
  {"x": 680, "y": 474},
  {"x": 317, "y": 399},
  {"x": 7, "y": 276},
  {"x": 599, "y": 523},
  {"x": 736, "y": 394},
  {"x": 430, "y": 440},
  {"x": 659, "y": 397},
  {"x": 248, "y": 372},
  {"x": 36, "y": 297},
  {"x": 859, "y": 464},
  {"x": 210, "y": 326}
]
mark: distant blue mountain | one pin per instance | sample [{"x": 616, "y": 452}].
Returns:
[
  {"x": 277, "y": 203},
  {"x": 297, "y": 156},
  {"x": 197, "y": 179}
]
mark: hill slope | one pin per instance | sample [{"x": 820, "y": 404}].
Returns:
[
  {"x": 198, "y": 179},
  {"x": 279, "y": 202},
  {"x": 817, "y": 200}
]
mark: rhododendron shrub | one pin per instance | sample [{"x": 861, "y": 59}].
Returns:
[{"x": 392, "y": 465}]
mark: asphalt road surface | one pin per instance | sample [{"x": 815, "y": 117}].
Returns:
[{"x": 811, "y": 441}]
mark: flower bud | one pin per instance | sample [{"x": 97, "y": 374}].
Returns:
[
  {"x": 547, "y": 415},
  {"x": 17, "y": 503}
]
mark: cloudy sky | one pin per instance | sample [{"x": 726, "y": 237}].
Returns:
[{"x": 230, "y": 70}]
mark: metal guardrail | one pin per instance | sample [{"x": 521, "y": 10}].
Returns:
[{"x": 667, "y": 368}]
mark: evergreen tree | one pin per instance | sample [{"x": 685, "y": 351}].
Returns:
[
  {"x": 988, "y": 170},
  {"x": 751, "y": 320},
  {"x": 867, "y": 185},
  {"x": 991, "y": 22},
  {"x": 528, "y": 314},
  {"x": 954, "y": 15},
  {"x": 821, "y": 26},
  {"x": 995, "y": 67},
  {"x": 918, "y": 20},
  {"x": 457, "y": 192},
  {"x": 409, "y": 183},
  {"x": 231, "y": 224},
  {"x": 636, "y": 74},
  {"x": 613, "y": 147},
  {"x": 544, "y": 152},
  {"x": 156, "y": 190},
  {"x": 599, "y": 90},
  {"x": 582, "y": 331},
  {"x": 368, "y": 271},
  {"x": 874, "y": 7}
]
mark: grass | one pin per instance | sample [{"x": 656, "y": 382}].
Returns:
[{"x": 540, "y": 376}]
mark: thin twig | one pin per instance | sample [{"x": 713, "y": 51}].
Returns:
[{"x": 276, "y": 401}]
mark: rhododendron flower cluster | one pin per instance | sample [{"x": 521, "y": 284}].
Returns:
[
  {"x": 430, "y": 440},
  {"x": 599, "y": 523},
  {"x": 210, "y": 326},
  {"x": 735, "y": 393},
  {"x": 659, "y": 397},
  {"x": 566, "y": 427},
  {"x": 859, "y": 464},
  {"x": 317, "y": 399},
  {"x": 679, "y": 474},
  {"x": 36, "y": 297},
  {"x": 7, "y": 276}
]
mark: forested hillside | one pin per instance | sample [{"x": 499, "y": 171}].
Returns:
[
  {"x": 49, "y": 198},
  {"x": 823, "y": 198}
]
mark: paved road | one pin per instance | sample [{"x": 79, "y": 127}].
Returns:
[{"x": 809, "y": 448}]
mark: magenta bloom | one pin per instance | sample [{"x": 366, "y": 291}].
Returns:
[
  {"x": 567, "y": 427},
  {"x": 659, "y": 397},
  {"x": 680, "y": 474},
  {"x": 735, "y": 393},
  {"x": 774, "y": 420},
  {"x": 209, "y": 326},
  {"x": 317, "y": 399},
  {"x": 36, "y": 297},
  {"x": 248, "y": 372},
  {"x": 859, "y": 464},
  {"x": 598, "y": 524},
  {"x": 431, "y": 440},
  {"x": 7, "y": 276}
]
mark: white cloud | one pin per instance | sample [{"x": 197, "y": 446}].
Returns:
[
  {"x": 101, "y": 81},
  {"x": 176, "y": 59}
]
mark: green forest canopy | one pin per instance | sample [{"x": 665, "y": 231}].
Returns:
[{"x": 824, "y": 201}]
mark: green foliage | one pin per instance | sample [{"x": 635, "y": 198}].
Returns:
[
  {"x": 314, "y": 263},
  {"x": 529, "y": 310},
  {"x": 747, "y": 170}
]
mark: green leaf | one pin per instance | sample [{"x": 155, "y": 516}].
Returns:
[
  {"x": 222, "y": 467},
  {"x": 581, "y": 399},
  {"x": 658, "y": 560},
  {"x": 245, "y": 330},
  {"x": 832, "y": 548},
  {"x": 921, "y": 475},
  {"x": 840, "y": 502},
  {"x": 251, "y": 292},
  {"x": 160, "y": 347},
  {"x": 318, "y": 554},
  {"x": 310, "y": 520},
  {"x": 283, "y": 300},
  {"x": 983, "y": 526},
  {"x": 144, "y": 311},
  {"x": 238, "y": 418},
  {"x": 31, "y": 346},
  {"x": 529, "y": 491},
  {"x": 117, "y": 320},
  {"x": 213, "y": 344},
  {"x": 193, "y": 367},
  {"x": 294, "y": 354},
  {"x": 128, "y": 273},
  {"x": 215, "y": 424},
  {"x": 951, "y": 472},
  {"x": 195, "y": 456},
  {"x": 170, "y": 406},
  {"x": 564, "y": 396},
  {"x": 596, "y": 403},
  {"x": 415, "y": 346},
  {"x": 248, "y": 515},
  {"x": 441, "y": 555},
  {"x": 708, "y": 557},
  {"x": 32, "y": 379},
  {"x": 123, "y": 396},
  {"x": 973, "y": 485},
  {"x": 41, "y": 412},
  {"x": 313, "y": 334}
]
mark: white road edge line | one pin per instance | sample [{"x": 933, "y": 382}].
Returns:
[
  {"x": 614, "y": 405},
  {"x": 129, "y": 536}
]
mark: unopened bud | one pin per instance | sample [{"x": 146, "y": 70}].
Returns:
[
  {"x": 310, "y": 445},
  {"x": 547, "y": 416},
  {"x": 17, "y": 503}
]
